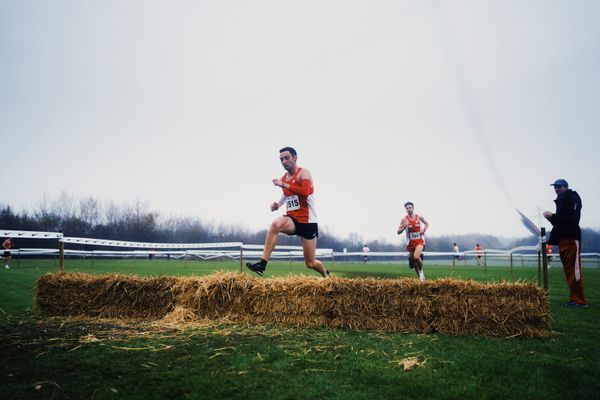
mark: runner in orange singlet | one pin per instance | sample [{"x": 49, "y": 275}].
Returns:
[
  {"x": 550, "y": 254},
  {"x": 479, "y": 257},
  {"x": 300, "y": 218},
  {"x": 415, "y": 227}
]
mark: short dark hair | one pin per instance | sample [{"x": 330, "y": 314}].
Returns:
[
  {"x": 290, "y": 149},
  {"x": 409, "y": 203}
]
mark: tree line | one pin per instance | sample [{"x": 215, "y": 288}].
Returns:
[{"x": 88, "y": 217}]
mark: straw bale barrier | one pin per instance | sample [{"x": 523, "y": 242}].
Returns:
[
  {"x": 447, "y": 306},
  {"x": 104, "y": 296}
]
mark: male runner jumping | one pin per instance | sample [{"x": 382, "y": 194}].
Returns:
[
  {"x": 415, "y": 234},
  {"x": 300, "y": 218}
]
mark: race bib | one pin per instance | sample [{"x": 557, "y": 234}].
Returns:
[
  {"x": 293, "y": 203},
  {"x": 414, "y": 235}
]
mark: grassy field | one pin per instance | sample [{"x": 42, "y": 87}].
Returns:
[{"x": 55, "y": 358}]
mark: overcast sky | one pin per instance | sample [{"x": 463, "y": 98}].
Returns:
[{"x": 470, "y": 109}]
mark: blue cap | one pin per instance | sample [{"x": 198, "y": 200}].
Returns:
[{"x": 560, "y": 182}]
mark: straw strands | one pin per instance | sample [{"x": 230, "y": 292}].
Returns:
[{"x": 447, "y": 306}]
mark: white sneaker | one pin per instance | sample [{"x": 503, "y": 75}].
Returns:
[{"x": 7, "y": 266}]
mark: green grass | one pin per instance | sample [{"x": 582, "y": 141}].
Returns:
[{"x": 55, "y": 358}]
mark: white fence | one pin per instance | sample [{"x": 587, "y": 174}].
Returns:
[
  {"x": 201, "y": 251},
  {"x": 524, "y": 255}
]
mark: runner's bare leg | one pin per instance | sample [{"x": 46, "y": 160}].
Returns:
[
  {"x": 417, "y": 262},
  {"x": 280, "y": 224},
  {"x": 309, "y": 247}
]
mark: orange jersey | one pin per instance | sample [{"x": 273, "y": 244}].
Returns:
[
  {"x": 300, "y": 208},
  {"x": 413, "y": 231}
]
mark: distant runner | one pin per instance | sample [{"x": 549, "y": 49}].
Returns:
[
  {"x": 300, "y": 218},
  {"x": 365, "y": 251},
  {"x": 415, "y": 234},
  {"x": 479, "y": 255},
  {"x": 549, "y": 253},
  {"x": 6, "y": 245},
  {"x": 456, "y": 251}
]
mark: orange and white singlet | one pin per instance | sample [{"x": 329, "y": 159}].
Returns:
[
  {"x": 300, "y": 207},
  {"x": 413, "y": 231}
]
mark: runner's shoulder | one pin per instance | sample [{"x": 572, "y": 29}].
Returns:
[{"x": 304, "y": 174}]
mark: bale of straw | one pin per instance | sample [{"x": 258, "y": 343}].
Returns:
[
  {"x": 447, "y": 306},
  {"x": 107, "y": 296}
]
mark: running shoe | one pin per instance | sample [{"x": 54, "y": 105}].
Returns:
[{"x": 256, "y": 267}]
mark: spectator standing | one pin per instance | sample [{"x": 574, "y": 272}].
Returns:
[{"x": 566, "y": 233}]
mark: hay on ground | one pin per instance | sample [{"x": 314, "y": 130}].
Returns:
[{"x": 447, "y": 306}]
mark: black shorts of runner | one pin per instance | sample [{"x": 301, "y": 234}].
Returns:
[
  {"x": 7, "y": 254},
  {"x": 306, "y": 231}
]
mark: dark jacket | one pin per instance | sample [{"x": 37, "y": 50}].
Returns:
[{"x": 565, "y": 222}]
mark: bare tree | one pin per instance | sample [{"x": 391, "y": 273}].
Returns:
[
  {"x": 89, "y": 211},
  {"x": 48, "y": 220},
  {"x": 65, "y": 206}
]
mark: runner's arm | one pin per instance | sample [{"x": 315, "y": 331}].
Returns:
[
  {"x": 304, "y": 189},
  {"x": 426, "y": 224},
  {"x": 402, "y": 226},
  {"x": 276, "y": 204}
]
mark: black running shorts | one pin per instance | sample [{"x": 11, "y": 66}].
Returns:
[{"x": 306, "y": 231}]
